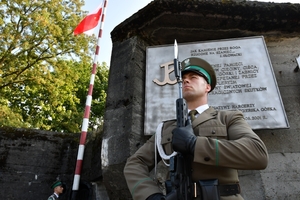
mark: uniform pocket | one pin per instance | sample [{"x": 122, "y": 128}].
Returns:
[
  {"x": 218, "y": 132},
  {"x": 166, "y": 142}
]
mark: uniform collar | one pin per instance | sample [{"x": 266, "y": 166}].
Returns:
[{"x": 201, "y": 109}]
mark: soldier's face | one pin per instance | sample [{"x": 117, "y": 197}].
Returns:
[
  {"x": 194, "y": 86},
  {"x": 59, "y": 190}
]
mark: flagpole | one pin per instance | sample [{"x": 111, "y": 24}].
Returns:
[{"x": 85, "y": 121}]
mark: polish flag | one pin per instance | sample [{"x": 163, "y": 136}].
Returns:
[{"x": 87, "y": 25}]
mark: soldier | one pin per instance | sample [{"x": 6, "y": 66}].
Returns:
[
  {"x": 57, "y": 186},
  {"x": 220, "y": 143}
]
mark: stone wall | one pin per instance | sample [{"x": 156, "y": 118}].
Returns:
[
  {"x": 281, "y": 180},
  {"x": 31, "y": 160},
  {"x": 162, "y": 21},
  {"x": 124, "y": 113}
]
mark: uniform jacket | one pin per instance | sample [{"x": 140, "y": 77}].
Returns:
[
  {"x": 225, "y": 144},
  {"x": 52, "y": 197}
]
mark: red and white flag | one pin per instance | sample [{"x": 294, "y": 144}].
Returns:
[{"x": 87, "y": 25}]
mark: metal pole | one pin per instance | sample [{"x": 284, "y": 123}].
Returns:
[{"x": 85, "y": 122}]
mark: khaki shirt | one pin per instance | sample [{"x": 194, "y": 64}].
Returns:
[{"x": 225, "y": 143}]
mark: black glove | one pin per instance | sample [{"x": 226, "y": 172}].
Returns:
[
  {"x": 184, "y": 140},
  {"x": 156, "y": 196}
]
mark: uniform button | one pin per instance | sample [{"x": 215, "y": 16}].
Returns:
[
  {"x": 213, "y": 132},
  {"x": 169, "y": 139},
  {"x": 207, "y": 159}
]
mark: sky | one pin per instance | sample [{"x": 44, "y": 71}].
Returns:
[{"x": 118, "y": 11}]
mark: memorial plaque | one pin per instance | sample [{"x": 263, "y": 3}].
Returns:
[{"x": 245, "y": 81}]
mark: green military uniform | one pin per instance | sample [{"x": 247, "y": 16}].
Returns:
[
  {"x": 225, "y": 144},
  {"x": 54, "y": 185}
]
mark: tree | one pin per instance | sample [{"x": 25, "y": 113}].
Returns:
[
  {"x": 99, "y": 94},
  {"x": 44, "y": 68}
]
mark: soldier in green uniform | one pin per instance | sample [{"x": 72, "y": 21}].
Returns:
[
  {"x": 220, "y": 142},
  {"x": 57, "y": 187}
]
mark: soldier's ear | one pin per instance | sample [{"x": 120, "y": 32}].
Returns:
[{"x": 208, "y": 87}]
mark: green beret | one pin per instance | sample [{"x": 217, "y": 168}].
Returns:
[
  {"x": 55, "y": 184},
  {"x": 200, "y": 67}
]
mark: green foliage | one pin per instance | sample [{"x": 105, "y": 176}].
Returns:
[{"x": 44, "y": 69}]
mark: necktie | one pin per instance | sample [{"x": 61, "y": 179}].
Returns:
[{"x": 193, "y": 114}]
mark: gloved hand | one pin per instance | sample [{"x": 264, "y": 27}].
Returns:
[
  {"x": 184, "y": 140},
  {"x": 156, "y": 196}
]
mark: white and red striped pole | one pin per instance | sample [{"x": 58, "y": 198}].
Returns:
[{"x": 85, "y": 122}]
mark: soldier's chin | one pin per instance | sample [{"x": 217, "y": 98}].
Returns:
[{"x": 187, "y": 95}]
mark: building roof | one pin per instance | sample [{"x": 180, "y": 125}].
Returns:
[{"x": 162, "y": 21}]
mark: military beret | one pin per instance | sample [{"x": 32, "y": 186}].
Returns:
[
  {"x": 55, "y": 184},
  {"x": 200, "y": 67}
]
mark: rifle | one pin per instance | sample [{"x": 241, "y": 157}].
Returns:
[{"x": 179, "y": 187}]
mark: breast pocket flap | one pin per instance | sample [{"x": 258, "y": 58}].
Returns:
[{"x": 217, "y": 131}]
